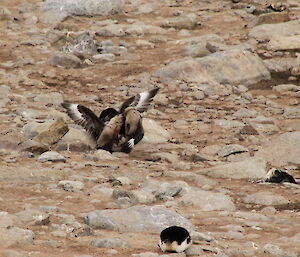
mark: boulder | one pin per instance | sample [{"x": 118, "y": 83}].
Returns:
[
  {"x": 235, "y": 67},
  {"x": 265, "y": 198},
  {"x": 279, "y": 42},
  {"x": 139, "y": 218},
  {"x": 84, "y": 7},
  {"x": 251, "y": 168},
  {"x": 53, "y": 133},
  {"x": 207, "y": 201},
  {"x": 265, "y": 32},
  {"x": 282, "y": 150}
]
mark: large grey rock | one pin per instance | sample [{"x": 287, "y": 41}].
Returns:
[
  {"x": 6, "y": 219},
  {"x": 154, "y": 133},
  {"x": 283, "y": 64},
  {"x": 75, "y": 140},
  {"x": 51, "y": 156},
  {"x": 32, "y": 217},
  {"x": 184, "y": 69},
  {"x": 265, "y": 32},
  {"x": 292, "y": 113},
  {"x": 231, "y": 149},
  {"x": 235, "y": 67},
  {"x": 265, "y": 198},
  {"x": 284, "y": 88},
  {"x": 207, "y": 200},
  {"x": 279, "y": 42},
  {"x": 275, "y": 250},
  {"x": 84, "y": 7},
  {"x": 188, "y": 70},
  {"x": 110, "y": 243},
  {"x": 12, "y": 236},
  {"x": 251, "y": 168},
  {"x": 180, "y": 22},
  {"x": 263, "y": 125},
  {"x": 136, "y": 219},
  {"x": 65, "y": 60},
  {"x": 282, "y": 150}
]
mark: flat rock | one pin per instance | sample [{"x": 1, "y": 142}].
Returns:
[
  {"x": 32, "y": 217},
  {"x": 180, "y": 22},
  {"x": 263, "y": 125},
  {"x": 6, "y": 219},
  {"x": 231, "y": 149},
  {"x": 245, "y": 113},
  {"x": 281, "y": 64},
  {"x": 283, "y": 88},
  {"x": 272, "y": 18},
  {"x": 33, "y": 146},
  {"x": 136, "y": 219},
  {"x": 235, "y": 67},
  {"x": 65, "y": 60},
  {"x": 207, "y": 200},
  {"x": 84, "y": 7},
  {"x": 51, "y": 156},
  {"x": 265, "y": 198},
  {"x": 110, "y": 243},
  {"x": 251, "y": 168},
  {"x": 282, "y": 150},
  {"x": 292, "y": 113},
  {"x": 184, "y": 69},
  {"x": 14, "y": 236},
  {"x": 265, "y": 32},
  {"x": 53, "y": 133},
  {"x": 278, "y": 43}
]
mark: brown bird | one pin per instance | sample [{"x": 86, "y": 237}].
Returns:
[{"x": 122, "y": 128}]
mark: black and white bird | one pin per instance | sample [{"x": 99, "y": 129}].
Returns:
[
  {"x": 121, "y": 129},
  {"x": 174, "y": 239},
  {"x": 279, "y": 176}
]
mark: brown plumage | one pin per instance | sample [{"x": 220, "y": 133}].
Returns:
[{"x": 112, "y": 126}]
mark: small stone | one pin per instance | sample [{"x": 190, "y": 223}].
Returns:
[
  {"x": 194, "y": 250},
  {"x": 73, "y": 186},
  {"x": 105, "y": 57}
]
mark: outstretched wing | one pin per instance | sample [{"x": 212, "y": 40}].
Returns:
[
  {"x": 86, "y": 118},
  {"x": 141, "y": 101}
]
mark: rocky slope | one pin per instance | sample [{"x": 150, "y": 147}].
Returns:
[{"x": 227, "y": 111}]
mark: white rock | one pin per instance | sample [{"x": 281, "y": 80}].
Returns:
[{"x": 251, "y": 168}]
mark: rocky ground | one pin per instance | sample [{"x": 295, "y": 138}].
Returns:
[{"x": 227, "y": 111}]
